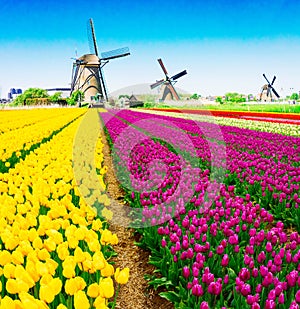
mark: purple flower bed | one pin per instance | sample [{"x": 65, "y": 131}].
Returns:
[
  {"x": 266, "y": 165},
  {"x": 215, "y": 245}
]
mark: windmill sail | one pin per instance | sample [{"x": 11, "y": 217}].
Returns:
[
  {"x": 176, "y": 76},
  {"x": 268, "y": 89},
  {"x": 116, "y": 53},
  {"x": 92, "y": 37}
]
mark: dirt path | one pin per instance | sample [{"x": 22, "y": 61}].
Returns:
[{"x": 135, "y": 294}]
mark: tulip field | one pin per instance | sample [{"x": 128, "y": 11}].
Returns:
[
  {"x": 217, "y": 204},
  {"x": 214, "y": 198},
  {"x": 55, "y": 251}
]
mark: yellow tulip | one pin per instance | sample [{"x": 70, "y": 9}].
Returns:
[
  {"x": 106, "y": 213},
  {"x": 68, "y": 271},
  {"x": 46, "y": 294},
  {"x": 70, "y": 286},
  {"x": 74, "y": 285},
  {"x": 81, "y": 284},
  {"x": 108, "y": 270},
  {"x": 43, "y": 254},
  {"x": 31, "y": 270},
  {"x": 96, "y": 225},
  {"x": 78, "y": 255},
  {"x": 29, "y": 302},
  {"x": 106, "y": 236},
  {"x": 94, "y": 245},
  {"x": 114, "y": 239},
  {"x": 51, "y": 266},
  {"x": 122, "y": 276},
  {"x": 62, "y": 251},
  {"x": 14, "y": 286},
  {"x": 50, "y": 244},
  {"x": 81, "y": 301},
  {"x": 99, "y": 260},
  {"x": 46, "y": 279},
  {"x": 9, "y": 271},
  {"x": 7, "y": 302},
  {"x": 55, "y": 285},
  {"x": 106, "y": 286},
  {"x": 93, "y": 290},
  {"x": 100, "y": 303},
  {"x": 5, "y": 257},
  {"x": 41, "y": 268},
  {"x": 21, "y": 273},
  {"x": 37, "y": 243}
]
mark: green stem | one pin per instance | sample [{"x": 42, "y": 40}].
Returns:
[{"x": 116, "y": 295}]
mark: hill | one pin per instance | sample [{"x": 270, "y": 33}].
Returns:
[{"x": 140, "y": 89}]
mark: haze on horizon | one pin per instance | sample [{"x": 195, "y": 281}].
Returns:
[{"x": 224, "y": 45}]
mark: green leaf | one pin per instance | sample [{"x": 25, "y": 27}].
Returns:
[
  {"x": 158, "y": 282},
  {"x": 170, "y": 296}
]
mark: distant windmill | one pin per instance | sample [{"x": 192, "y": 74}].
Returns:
[
  {"x": 87, "y": 74},
  {"x": 267, "y": 89},
  {"x": 168, "y": 91}
]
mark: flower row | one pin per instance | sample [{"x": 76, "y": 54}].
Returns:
[
  {"x": 209, "y": 240},
  {"x": 55, "y": 250}
]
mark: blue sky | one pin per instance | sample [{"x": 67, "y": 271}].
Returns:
[{"x": 224, "y": 45}]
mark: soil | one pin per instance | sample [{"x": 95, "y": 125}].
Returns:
[{"x": 136, "y": 294}]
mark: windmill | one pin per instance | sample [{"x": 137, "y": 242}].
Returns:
[
  {"x": 267, "y": 89},
  {"x": 87, "y": 74},
  {"x": 168, "y": 91}
]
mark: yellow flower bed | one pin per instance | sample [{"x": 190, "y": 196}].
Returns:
[
  {"x": 28, "y": 135},
  {"x": 54, "y": 250},
  {"x": 16, "y": 119}
]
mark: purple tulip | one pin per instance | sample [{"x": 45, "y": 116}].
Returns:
[
  {"x": 204, "y": 305},
  {"x": 225, "y": 260},
  {"x": 197, "y": 290},
  {"x": 297, "y": 297}
]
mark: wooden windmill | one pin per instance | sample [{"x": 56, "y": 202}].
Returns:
[
  {"x": 267, "y": 89},
  {"x": 168, "y": 91},
  {"x": 87, "y": 74}
]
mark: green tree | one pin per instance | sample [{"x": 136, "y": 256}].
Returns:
[
  {"x": 76, "y": 96},
  {"x": 30, "y": 93},
  {"x": 219, "y": 100},
  {"x": 195, "y": 96},
  {"x": 55, "y": 97},
  {"x": 124, "y": 96},
  {"x": 234, "y": 97},
  {"x": 294, "y": 96}
]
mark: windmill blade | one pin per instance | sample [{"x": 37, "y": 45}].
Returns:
[
  {"x": 104, "y": 86},
  {"x": 273, "y": 80},
  {"x": 275, "y": 92},
  {"x": 162, "y": 66},
  {"x": 116, "y": 53},
  {"x": 266, "y": 78},
  {"x": 176, "y": 76},
  {"x": 158, "y": 83},
  {"x": 74, "y": 76},
  {"x": 92, "y": 37}
]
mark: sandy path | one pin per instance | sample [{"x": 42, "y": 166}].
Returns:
[{"x": 135, "y": 294}]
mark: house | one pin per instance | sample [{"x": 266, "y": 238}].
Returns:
[{"x": 134, "y": 102}]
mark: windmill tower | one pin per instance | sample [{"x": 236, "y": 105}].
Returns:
[
  {"x": 267, "y": 89},
  {"x": 167, "y": 91},
  {"x": 87, "y": 74}
]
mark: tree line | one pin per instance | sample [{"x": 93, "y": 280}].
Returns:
[{"x": 38, "y": 96}]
